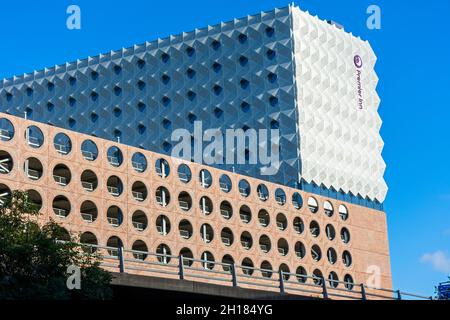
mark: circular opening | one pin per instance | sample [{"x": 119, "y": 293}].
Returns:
[
  {"x": 246, "y": 240},
  {"x": 245, "y": 214},
  {"x": 297, "y": 200},
  {"x": 184, "y": 173},
  {"x": 61, "y": 175},
  {"x": 281, "y": 222},
  {"x": 264, "y": 243},
  {"x": 285, "y": 271},
  {"x": 348, "y": 282},
  {"x": 89, "y": 150},
  {"x": 5, "y": 194},
  {"x": 300, "y": 250},
  {"x": 61, "y": 206},
  {"x": 225, "y": 183},
  {"x": 247, "y": 266},
  {"x": 6, "y": 162},
  {"x": 283, "y": 247},
  {"x": 347, "y": 258},
  {"x": 35, "y": 199},
  {"x": 280, "y": 196},
  {"x": 244, "y": 188},
  {"x": 162, "y": 196},
  {"x": 343, "y": 212},
  {"x": 140, "y": 250},
  {"x": 187, "y": 255},
  {"x": 6, "y": 129},
  {"x": 206, "y": 233},
  {"x": 333, "y": 279},
  {"x": 139, "y": 162},
  {"x": 299, "y": 226},
  {"x": 162, "y": 168},
  {"x": 206, "y": 205},
  {"x": 88, "y": 211},
  {"x": 205, "y": 178},
  {"x": 89, "y": 180},
  {"x": 113, "y": 244},
  {"x": 184, "y": 201},
  {"x": 89, "y": 241},
  {"x": 331, "y": 233},
  {"x": 163, "y": 225},
  {"x": 139, "y": 220},
  {"x": 33, "y": 168},
  {"x": 316, "y": 253},
  {"x": 314, "y": 228},
  {"x": 227, "y": 236},
  {"x": 266, "y": 269},
  {"x": 114, "y": 216},
  {"x": 139, "y": 191},
  {"x": 301, "y": 274},
  {"x": 163, "y": 253},
  {"x": 226, "y": 210},
  {"x": 62, "y": 143},
  {"x": 331, "y": 255},
  {"x": 328, "y": 209},
  {"x": 345, "y": 235},
  {"x": 227, "y": 261},
  {"x": 263, "y": 218},
  {"x": 115, "y": 157},
  {"x": 34, "y": 137},
  {"x": 313, "y": 205},
  {"x": 207, "y": 260},
  {"x": 114, "y": 186},
  {"x": 263, "y": 192},
  {"x": 185, "y": 229},
  {"x": 317, "y": 277}
]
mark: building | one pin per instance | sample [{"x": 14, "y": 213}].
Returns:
[{"x": 96, "y": 143}]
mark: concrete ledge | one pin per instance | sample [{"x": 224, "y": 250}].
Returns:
[{"x": 186, "y": 286}]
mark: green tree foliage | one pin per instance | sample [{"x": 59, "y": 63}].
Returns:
[{"x": 33, "y": 263}]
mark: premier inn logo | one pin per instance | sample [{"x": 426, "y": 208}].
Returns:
[{"x": 358, "y": 64}]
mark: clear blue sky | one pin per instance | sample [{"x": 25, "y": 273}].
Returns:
[{"x": 413, "y": 49}]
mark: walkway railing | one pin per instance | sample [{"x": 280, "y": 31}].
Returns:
[{"x": 122, "y": 260}]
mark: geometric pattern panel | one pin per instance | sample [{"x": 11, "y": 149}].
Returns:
[{"x": 339, "y": 125}]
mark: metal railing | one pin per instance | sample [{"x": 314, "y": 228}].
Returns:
[
  {"x": 184, "y": 177},
  {"x": 62, "y": 181},
  {"x": 88, "y": 155},
  {"x": 33, "y": 174},
  {"x": 114, "y": 191},
  {"x": 87, "y": 217},
  {"x": 61, "y": 148},
  {"x": 139, "y": 225},
  {"x": 138, "y": 166},
  {"x": 88, "y": 186},
  {"x": 113, "y": 221},
  {"x": 34, "y": 142},
  {"x": 139, "y": 196},
  {"x": 113, "y": 161},
  {"x": 60, "y": 212},
  {"x": 5, "y": 134}
]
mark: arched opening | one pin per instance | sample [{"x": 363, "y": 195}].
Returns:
[
  {"x": 263, "y": 218},
  {"x": 225, "y": 183},
  {"x": 162, "y": 168},
  {"x": 140, "y": 250},
  {"x": 114, "y": 156},
  {"x": 163, "y": 225},
  {"x": 139, "y": 220},
  {"x": 264, "y": 243},
  {"x": 139, "y": 162},
  {"x": 6, "y": 162},
  {"x": 281, "y": 222},
  {"x": 89, "y": 180},
  {"x": 184, "y": 201},
  {"x": 162, "y": 196},
  {"x": 263, "y": 192},
  {"x": 206, "y": 233},
  {"x": 185, "y": 229},
  {"x": 139, "y": 191},
  {"x": 89, "y": 150},
  {"x": 227, "y": 236},
  {"x": 300, "y": 250},
  {"x": 245, "y": 214},
  {"x": 280, "y": 196},
  {"x": 33, "y": 168},
  {"x": 184, "y": 173},
  {"x": 62, "y": 175},
  {"x": 226, "y": 210},
  {"x": 244, "y": 188},
  {"x": 114, "y": 216},
  {"x": 206, "y": 205},
  {"x": 61, "y": 206},
  {"x": 114, "y": 186},
  {"x": 62, "y": 143},
  {"x": 283, "y": 247},
  {"x": 88, "y": 211}
]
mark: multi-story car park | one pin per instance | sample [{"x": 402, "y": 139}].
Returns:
[{"x": 94, "y": 149}]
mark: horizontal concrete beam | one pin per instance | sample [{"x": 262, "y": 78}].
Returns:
[{"x": 186, "y": 286}]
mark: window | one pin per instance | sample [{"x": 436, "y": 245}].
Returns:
[
  {"x": 264, "y": 243},
  {"x": 113, "y": 244},
  {"x": 88, "y": 211},
  {"x": 227, "y": 237},
  {"x": 139, "y": 191},
  {"x": 185, "y": 229},
  {"x": 225, "y": 183},
  {"x": 215, "y": 44},
  {"x": 343, "y": 213},
  {"x": 33, "y": 168},
  {"x": 270, "y": 54},
  {"x": 206, "y": 233},
  {"x": 61, "y": 175},
  {"x": 313, "y": 205},
  {"x": 114, "y": 186},
  {"x": 206, "y": 205},
  {"x": 5, "y": 194},
  {"x": 6, "y": 129},
  {"x": 34, "y": 137},
  {"x": 184, "y": 173},
  {"x": 247, "y": 266},
  {"x": 266, "y": 271},
  {"x": 333, "y": 279},
  {"x": 163, "y": 225},
  {"x": 297, "y": 200},
  {"x": 347, "y": 258},
  {"x": 345, "y": 235},
  {"x": 281, "y": 222},
  {"x": 348, "y": 282},
  {"x": 184, "y": 201},
  {"x": 165, "y": 57},
  {"x": 61, "y": 206},
  {"x": 140, "y": 250},
  {"x": 139, "y": 162},
  {"x": 284, "y": 270},
  {"x": 139, "y": 220},
  {"x": 242, "y": 38},
  {"x": 316, "y": 253},
  {"x": 270, "y": 31},
  {"x": 245, "y": 106},
  {"x": 35, "y": 199},
  {"x": 187, "y": 255},
  {"x": 115, "y": 157},
  {"x": 263, "y": 218},
  {"x": 246, "y": 240},
  {"x": 226, "y": 210},
  {"x": 162, "y": 168},
  {"x": 331, "y": 233},
  {"x": 314, "y": 229},
  {"x": 299, "y": 226},
  {"x": 328, "y": 209},
  {"x": 162, "y": 196},
  {"x": 89, "y": 180},
  {"x": 164, "y": 254},
  {"x": 300, "y": 250},
  {"x": 301, "y": 274},
  {"x": 243, "y": 60},
  {"x": 205, "y": 178},
  {"x": 263, "y": 192},
  {"x": 89, "y": 150},
  {"x": 114, "y": 216},
  {"x": 245, "y": 214},
  {"x": 207, "y": 260},
  {"x": 280, "y": 196},
  {"x": 89, "y": 242},
  {"x": 283, "y": 247},
  {"x": 244, "y": 188},
  {"x": 6, "y": 162},
  {"x": 332, "y": 256}
]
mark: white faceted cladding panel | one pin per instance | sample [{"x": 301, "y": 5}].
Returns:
[{"x": 340, "y": 143}]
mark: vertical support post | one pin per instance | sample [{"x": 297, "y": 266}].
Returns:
[
  {"x": 121, "y": 259},
  {"x": 399, "y": 295},
  {"x": 324, "y": 288},
  {"x": 181, "y": 267},
  {"x": 363, "y": 292},
  {"x": 234, "y": 275},
  {"x": 280, "y": 274}
]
